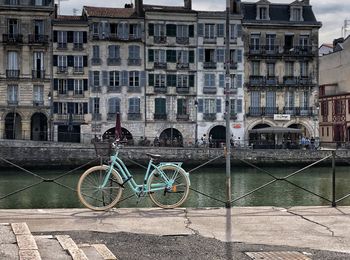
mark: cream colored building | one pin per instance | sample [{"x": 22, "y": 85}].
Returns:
[{"x": 25, "y": 69}]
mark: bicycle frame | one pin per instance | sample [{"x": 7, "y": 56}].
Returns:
[{"x": 117, "y": 163}]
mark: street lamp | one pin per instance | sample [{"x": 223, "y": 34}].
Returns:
[{"x": 196, "y": 123}]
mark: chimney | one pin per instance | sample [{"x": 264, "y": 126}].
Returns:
[
  {"x": 139, "y": 7},
  {"x": 336, "y": 41},
  {"x": 56, "y": 11},
  {"x": 306, "y": 2},
  {"x": 235, "y": 6},
  {"x": 188, "y": 4}
]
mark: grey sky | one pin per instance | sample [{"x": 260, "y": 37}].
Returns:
[{"x": 330, "y": 12}]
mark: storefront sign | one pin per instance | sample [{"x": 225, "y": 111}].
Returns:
[
  {"x": 237, "y": 126},
  {"x": 281, "y": 117}
]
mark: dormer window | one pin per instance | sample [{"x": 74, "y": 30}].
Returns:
[
  {"x": 263, "y": 13},
  {"x": 296, "y": 13}
]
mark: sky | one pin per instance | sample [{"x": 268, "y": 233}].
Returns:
[{"x": 331, "y": 13}]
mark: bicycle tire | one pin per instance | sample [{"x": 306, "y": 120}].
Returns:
[
  {"x": 169, "y": 197},
  {"x": 94, "y": 197}
]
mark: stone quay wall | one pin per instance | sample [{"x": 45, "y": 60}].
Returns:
[{"x": 53, "y": 154}]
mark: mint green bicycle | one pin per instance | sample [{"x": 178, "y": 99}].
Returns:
[{"x": 100, "y": 187}]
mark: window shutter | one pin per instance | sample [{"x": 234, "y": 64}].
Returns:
[
  {"x": 104, "y": 78},
  {"x": 220, "y": 55},
  {"x": 191, "y": 56},
  {"x": 239, "y": 55},
  {"x": 191, "y": 80},
  {"x": 150, "y": 79},
  {"x": 200, "y": 55},
  {"x": 218, "y": 106},
  {"x": 222, "y": 80},
  {"x": 69, "y": 36},
  {"x": 142, "y": 78},
  {"x": 200, "y": 105},
  {"x": 125, "y": 78},
  {"x": 239, "y": 30},
  {"x": 70, "y": 60},
  {"x": 239, "y": 106},
  {"x": 200, "y": 30},
  {"x": 54, "y": 60},
  {"x": 171, "y": 30},
  {"x": 55, "y": 84},
  {"x": 191, "y": 30},
  {"x": 55, "y": 107},
  {"x": 85, "y": 61},
  {"x": 71, "y": 84},
  {"x": 84, "y": 37},
  {"x": 220, "y": 30},
  {"x": 54, "y": 36},
  {"x": 239, "y": 80},
  {"x": 85, "y": 84},
  {"x": 91, "y": 78},
  {"x": 150, "y": 29},
  {"x": 150, "y": 55},
  {"x": 91, "y": 105},
  {"x": 85, "y": 108}
]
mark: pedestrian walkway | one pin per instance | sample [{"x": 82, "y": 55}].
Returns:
[{"x": 316, "y": 228}]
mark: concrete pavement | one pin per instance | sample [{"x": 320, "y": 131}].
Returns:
[{"x": 319, "y": 228}]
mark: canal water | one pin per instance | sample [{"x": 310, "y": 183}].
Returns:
[{"x": 210, "y": 181}]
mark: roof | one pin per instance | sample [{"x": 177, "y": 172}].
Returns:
[
  {"x": 93, "y": 11},
  {"x": 278, "y": 13},
  {"x": 163, "y": 8},
  {"x": 328, "y": 45},
  {"x": 69, "y": 19},
  {"x": 275, "y": 130}
]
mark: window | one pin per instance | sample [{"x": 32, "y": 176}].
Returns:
[
  {"x": 78, "y": 108},
  {"x": 255, "y": 99},
  {"x": 182, "y": 81},
  {"x": 270, "y": 69},
  {"x": 159, "y": 56},
  {"x": 134, "y": 79},
  {"x": 134, "y": 31},
  {"x": 78, "y": 63},
  {"x": 236, "y": 106},
  {"x": 289, "y": 99},
  {"x": 289, "y": 68},
  {"x": 134, "y": 52},
  {"x": 12, "y": 94},
  {"x": 13, "y": 28},
  {"x": 324, "y": 108},
  {"x": 96, "y": 78},
  {"x": 182, "y": 106},
  {"x": 255, "y": 42},
  {"x": 270, "y": 42},
  {"x": 304, "y": 99},
  {"x": 159, "y": 30},
  {"x": 62, "y": 62},
  {"x": 210, "y": 106},
  {"x": 62, "y": 39},
  {"x": 95, "y": 29},
  {"x": 255, "y": 68},
  {"x": 304, "y": 40},
  {"x": 38, "y": 27},
  {"x": 296, "y": 14},
  {"x": 182, "y": 56},
  {"x": 182, "y": 31},
  {"x": 62, "y": 108},
  {"x": 78, "y": 87},
  {"x": 209, "y": 55},
  {"x": 12, "y": 2},
  {"x": 113, "y": 105},
  {"x": 134, "y": 105},
  {"x": 114, "y": 78},
  {"x": 123, "y": 30},
  {"x": 304, "y": 68},
  {"x": 62, "y": 87},
  {"x": 339, "y": 107},
  {"x": 113, "y": 52},
  {"x": 78, "y": 39},
  {"x": 95, "y": 52},
  {"x": 263, "y": 13},
  {"x": 270, "y": 99},
  {"x": 209, "y": 80},
  {"x": 38, "y": 2},
  {"x": 209, "y": 31},
  {"x": 95, "y": 105},
  {"x": 160, "y": 106},
  {"x": 12, "y": 61},
  {"x": 160, "y": 80},
  {"x": 38, "y": 93}
]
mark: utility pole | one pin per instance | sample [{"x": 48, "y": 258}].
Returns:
[{"x": 227, "y": 108}]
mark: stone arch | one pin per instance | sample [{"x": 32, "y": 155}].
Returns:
[
  {"x": 171, "y": 137},
  {"x": 217, "y": 135},
  {"x": 127, "y": 137},
  {"x": 38, "y": 126},
  {"x": 13, "y": 126}
]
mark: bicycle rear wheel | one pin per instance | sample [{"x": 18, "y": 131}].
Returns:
[
  {"x": 93, "y": 195},
  {"x": 171, "y": 190}
]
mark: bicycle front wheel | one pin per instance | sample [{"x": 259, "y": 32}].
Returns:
[
  {"x": 93, "y": 195},
  {"x": 169, "y": 186}
]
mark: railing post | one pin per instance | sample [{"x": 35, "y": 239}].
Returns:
[{"x": 334, "y": 204}]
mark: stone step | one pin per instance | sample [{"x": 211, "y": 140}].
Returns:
[
  {"x": 51, "y": 249},
  {"x": 97, "y": 251}
]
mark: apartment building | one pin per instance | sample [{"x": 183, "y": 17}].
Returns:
[
  {"x": 116, "y": 69},
  {"x": 25, "y": 70},
  {"x": 211, "y": 93},
  {"x": 70, "y": 97},
  {"x": 171, "y": 71},
  {"x": 281, "y": 71}
]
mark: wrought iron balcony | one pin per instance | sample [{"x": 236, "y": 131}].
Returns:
[
  {"x": 38, "y": 103},
  {"x": 38, "y": 39},
  {"x": 38, "y": 74},
  {"x": 78, "y": 46},
  {"x": 61, "y": 45},
  {"x": 291, "y": 111},
  {"x": 209, "y": 65},
  {"x": 270, "y": 111},
  {"x": 12, "y": 74},
  {"x": 256, "y": 111},
  {"x": 134, "y": 62},
  {"x": 113, "y": 61},
  {"x": 209, "y": 116},
  {"x": 12, "y": 102},
  {"x": 209, "y": 90},
  {"x": 305, "y": 80},
  {"x": 62, "y": 69},
  {"x": 12, "y": 38},
  {"x": 134, "y": 116},
  {"x": 182, "y": 40},
  {"x": 160, "y": 65},
  {"x": 255, "y": 49},
  {"x": 183, "y": 90},
  {"x": 182, "y": 66},
  {"x": 271, "y": 49},
  {"x": 160, "y": 116},
  {"x": 271, "y": 80},
  {"x": 290, "y": 80},
  {"x": 182, "y": 117},
  {"x": 159, "y": 39},
  {"x": 96, "y": 116},
  {"x": 78, "y": 70},
  {"x": 233, "y": 65},
  {"x": 303, "y": 50},
  {"x": 256, "y": 80},
  {"x": 96, "y": 89},
  {"x": 306, "y": 111},
  {"x": 134, "y": 37},
  {"x": 95, "y": 61}
]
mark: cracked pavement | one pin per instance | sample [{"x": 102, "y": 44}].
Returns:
[{"x": 317, "y": 228}]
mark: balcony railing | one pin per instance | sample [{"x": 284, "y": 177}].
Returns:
[
  {"x": 96, "y": 116},
  {"x": 182, "y": 40},
  {"x": 160, "y": 89},
  {"x": 38, "y": 38},
  {"x": 78, "y": 46},
  {"x": 271, "y": 80},
  {"x": 209, "y": 90},
  {"x": 95, "y": 61},
  {"x": 303, "y": 50},
  {"x": 290, "y": 80},
  {"x": 78, "y": 70},
  {"x": 299, "y": 111},
  {"x": 255, "y": 49},
  {"x": 12, "y": 74},
  {"x": 256, "y": 111},
  {"x": 38, "y": 103},
  {"x": 271, "y": 49},
  {"x": 113, "y": 61},
  {"x": 233, "y": 65},
  {"x": 38, "y": 74},
  {"x": 183, "y": 90},
  {"x": 256, "y": 80},
  {"x": 304, "y": 80},
  {"x": 160, "y": 116},
  {"x": 133, "y": 37},
  {"x": 182, "y": 66},
  {"x": 182, "y": 117},
  {"x": 209, "y": 65},
  {"x": 209, "y": 116},
  {"x": 159, "y": 39},
  {"x": 12, "y": 38},
  {"x": 62, "y": 45},
  {"x": 134, "y": 116},
  {"x": 62, "y": 69},
  {"x": 12, "y": 102},
  {"x": 96, "y": 89},
  {"x": 134, "y": 62},
  {"x": 114, "y": 89},
  {"x": 270, "y": 111},
  {"x": 160, "y": 65}
]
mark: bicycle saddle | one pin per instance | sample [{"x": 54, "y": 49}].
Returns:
[{"x": 153, "y": 156}]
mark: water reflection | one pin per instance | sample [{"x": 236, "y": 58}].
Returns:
[{"x": 210, "y": 181}]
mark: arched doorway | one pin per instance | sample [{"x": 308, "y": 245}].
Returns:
[
  {"x": 256, "y": 140},
  {"x": 13, "y": 126},
  {"x": 171, "y": 137},
  {"x": 217, "y": 136},
  {"x": 127, "y": 137},
  {"x": 38, "y": 127}
]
